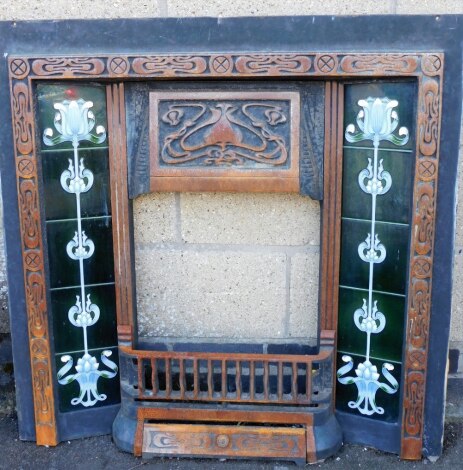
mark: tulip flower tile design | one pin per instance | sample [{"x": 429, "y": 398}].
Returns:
[
  {"x": 75, "y": 122},
  {"x": 377, "y": 121}
]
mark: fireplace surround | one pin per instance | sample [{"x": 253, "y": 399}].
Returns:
[{"x": 205, "y": 388}]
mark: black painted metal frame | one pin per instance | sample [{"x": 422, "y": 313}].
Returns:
[{"x": 364, "y": 34}]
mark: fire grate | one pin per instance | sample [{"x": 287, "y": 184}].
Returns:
[{"x": 240, "y": 378}]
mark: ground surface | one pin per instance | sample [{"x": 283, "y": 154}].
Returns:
[{"x": 100, "y": 453}]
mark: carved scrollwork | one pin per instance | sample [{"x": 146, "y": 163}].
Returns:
[
  {"x": 169, "y": 66},
  {"x": 68, "y": 67},
  {"x": 429, "y": 118},
  {"x": 207, "y": 441},
  {"x": 30, "y": 213},
  {"x": 419, "y": 310},
  {"x": 32, "y": 254},
  {"x": 418, "y": 322},
  {"x": 43, "y": 397},
  {"x": 226, "y": 133},
  {"x": 37, "y": 304},
  {"x": 22, "y": 118},
  {"x": 273, "y": 444},
  {"x": 379, "y": 64},
  {"x": 413, "y": 403},
  {"x": 273, "y": 64},
  {"x": 424, "y": 219}
]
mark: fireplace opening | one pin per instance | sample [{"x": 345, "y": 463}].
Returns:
[{"x": 231, "y": 272}]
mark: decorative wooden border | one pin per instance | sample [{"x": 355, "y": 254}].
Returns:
[{"x": 426, "y": 67}]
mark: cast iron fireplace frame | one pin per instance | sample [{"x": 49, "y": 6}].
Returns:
[{"x": 333, "y": 67}]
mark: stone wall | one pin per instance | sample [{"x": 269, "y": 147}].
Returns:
[{"x": 223, "y": 265}]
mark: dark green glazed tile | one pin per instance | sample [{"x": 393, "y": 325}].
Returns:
[
  {"x": 68, "y": 337},
  {"x": 387, "y": 344},
  {"x": 49, "y": 94},
  {"x": 394, "y": 206},
  {"x": 391, "y": 274},
  {"x": 64, "y": 271},
  {"x": 348, "y": 392},
  {"x": 62, "y": 205},
  {"x": 109, "y": 387},
  {"x": 403, "y": 92}
]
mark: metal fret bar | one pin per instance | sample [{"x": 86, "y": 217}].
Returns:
[
  {"x": 280, "y": 381},
  {"x": 252, "y": 380},
  {"x": 294, "y": 382},
  {"x": 209, "y": 378},
  {"x": 154, "y": 376},
  {"x": 168, "y": 379},
  {"x": 195, "y": 379},
  {"x": 238, "y": 379},
  {"x": 182, "y": 378},
  {"x": 141, "y": 381},
  {"x": 266, "y": 381},
  {"x": 224, "y": 378}
]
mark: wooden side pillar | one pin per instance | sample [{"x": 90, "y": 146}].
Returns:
[
  {"x": 121, "y": 219},
  {"x": 331, "y": 206}
]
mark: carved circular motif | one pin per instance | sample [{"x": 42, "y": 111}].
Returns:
[
  {"x": 427, "y": 169},
  {"x": 417, "y": 359},
  {"x": 326, "y": 63},
  {"x": 221, "y": 64},
  {"x": 222, "y": 440},
  {"x": 422, "y": 267},
  {"x": 39, "y": 348},
  {"x": 26, "y": 167},
  {"x": 33, "y": 260},
  {"x": 118, "y": 65},
  {"x": 431, "y": 64},
  {"x": 19, "y": 68}
]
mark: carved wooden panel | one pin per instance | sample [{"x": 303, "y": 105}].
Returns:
[
  {"x": 209, "y": 141},
  {"x": 33, "y": 257},
  {"x": 224, "y": 441},
  {"x": 421, "y": 254}
]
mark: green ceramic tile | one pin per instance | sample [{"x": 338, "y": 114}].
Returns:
[
  {"x": 391, "y": 274},
  {"x": 68, "y": 337},
  {"x": 49, "y": 94},
  {"x": 387, "y": 344},
  {"x": 64, "y": 271},
  {"x": 346, "y": 393},
  {"x": 402, "y": 91},
  {"x": 62, "y": 205},
  {"x": 107, "y": 386},
  {"x": 393, "y": 206}
]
